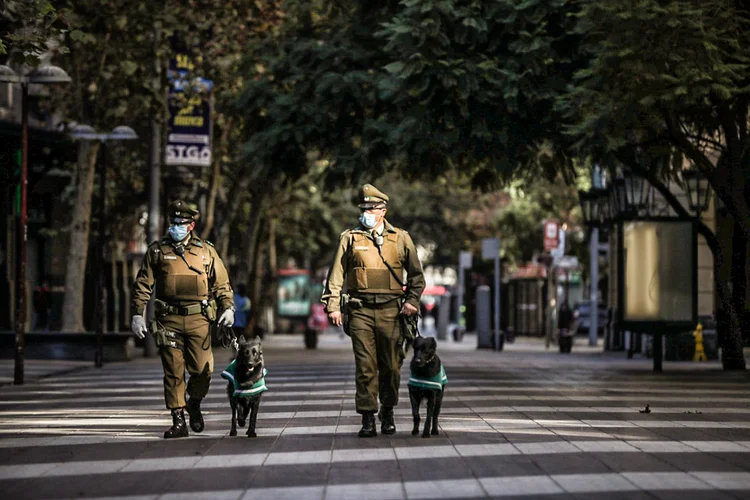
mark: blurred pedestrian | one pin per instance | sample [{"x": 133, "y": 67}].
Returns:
[
  {"x": 565, "y": 334},
  {"x": 369, "y": 264},
  {"x": 184, "y": 271},
  {"x": 242, "y": 310},
  {"x": 42, "y": 306}
]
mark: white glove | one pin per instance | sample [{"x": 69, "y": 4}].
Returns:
[
  {"x": 227, "y": 318},
  {"x": 138, "y": 325}
]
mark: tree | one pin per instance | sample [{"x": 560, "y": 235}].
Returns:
[{"x": 667, "y": 81}]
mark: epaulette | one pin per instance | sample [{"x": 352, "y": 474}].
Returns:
[
  {"x": 166, "y": 240},
  {"x": 210, "y": 243},
  {"x": 197, "y": 242}
]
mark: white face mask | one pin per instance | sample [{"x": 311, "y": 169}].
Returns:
[{"x": 369, "y": 220}]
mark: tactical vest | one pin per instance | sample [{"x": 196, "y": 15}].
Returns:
[
  {"x": 436, "y": 382},
  {"x": 175, "y": 281},
  {"x": 366, "y": 271},
  {"x": 239, "y": 392}
]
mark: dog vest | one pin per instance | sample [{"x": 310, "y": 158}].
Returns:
[
  {"x": 436, "y": 382},
  {"x": 257, "y": 388}
]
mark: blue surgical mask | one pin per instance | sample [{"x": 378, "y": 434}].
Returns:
[
  {"x": 178, "y": 232},
  {"x": 368, "y": 220}
]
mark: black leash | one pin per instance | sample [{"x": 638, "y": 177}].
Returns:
[{"x": 227, "y": 337}]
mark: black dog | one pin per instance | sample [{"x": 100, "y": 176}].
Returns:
[
  {"x": 246, "y": 376},
  {"x": 426, "y": 381}
]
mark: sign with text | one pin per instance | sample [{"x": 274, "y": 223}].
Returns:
[
  {"x": 551, "y": 235},
  {"x": 189, "y": 124},
  {"x": 490, "y": 248}
]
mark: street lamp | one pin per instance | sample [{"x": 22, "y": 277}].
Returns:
[
  {"x": 119, "y": 133},
  {"x": 40, "y": 75},
  {"x": 698, "y": 190},
  {"x": 637, "y": 191},
  {"x": 589, "y": 207},
  {"x": 604, "y": 208}
]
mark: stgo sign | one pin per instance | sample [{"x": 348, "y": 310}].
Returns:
[{"x": 189, "y": 124}]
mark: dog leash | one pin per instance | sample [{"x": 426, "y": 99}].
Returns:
[{"x": 228, "y": 338}]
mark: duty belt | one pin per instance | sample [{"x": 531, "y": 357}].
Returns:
[{"x": 185, "y": 310}]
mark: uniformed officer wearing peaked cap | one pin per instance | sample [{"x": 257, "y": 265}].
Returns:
[
  {"x": 187, "y": 276},
  {"x": 369, "y": 266},
  {"x": 372, "y": 197}
]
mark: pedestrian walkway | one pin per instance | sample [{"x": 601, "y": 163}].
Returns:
[
  {"x": 524, "y": 422},
  {"x": 35, "y": 369}
]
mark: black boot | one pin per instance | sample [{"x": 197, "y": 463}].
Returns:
[
  {"x": 194, "y": 412},
  {"x": 179, "y": 427},
  {"x": 368, "y": 425},
  {"x": 387, "y": 426}
]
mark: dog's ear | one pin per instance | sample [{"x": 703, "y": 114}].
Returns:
[
  {"x": 257, "y": 339},
  {"x": 432, "y": 342},
  {"x": 241, "y": 340}
]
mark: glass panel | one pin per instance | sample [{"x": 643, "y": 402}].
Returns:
[{"x": 658, "y": 271}]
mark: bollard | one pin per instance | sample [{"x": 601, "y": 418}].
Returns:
[
  {"x": 444, "y": 316},
  {"x": 700, "y": 353},
  {"x": 483, "y": 315}
]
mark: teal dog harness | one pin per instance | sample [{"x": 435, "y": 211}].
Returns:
[
  {"x": 239, "y": 392},
  {"x": 436, "y": 382}
]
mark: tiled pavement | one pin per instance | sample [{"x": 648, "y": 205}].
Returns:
[{"x": 524, "y": 423}]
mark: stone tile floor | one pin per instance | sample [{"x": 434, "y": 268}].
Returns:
[{"x": 522, "y": 423}]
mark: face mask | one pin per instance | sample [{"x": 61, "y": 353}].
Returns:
[
  {"x": 368, "y": 220},
  {"x": 178, "y": 232}
]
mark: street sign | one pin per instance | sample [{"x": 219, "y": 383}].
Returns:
[
  {"x": 551, "y": 235},
  {"x": 490, "y": 248},
  {"x": 189, "y": 123}
]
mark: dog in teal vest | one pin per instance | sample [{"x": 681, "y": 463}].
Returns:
[
  {"x": 426, "y": 382},
  {"x": 246, "y": 376}
]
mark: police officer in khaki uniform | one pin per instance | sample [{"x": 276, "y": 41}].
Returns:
[
  {"x": 190, "y": 280},
  {"x": 369, "y": 267}
]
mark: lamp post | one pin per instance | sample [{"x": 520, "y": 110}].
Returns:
[
  {"x": 119, "y": 133},
  {"x": 40, "y": 75},
  {"x": 698, "y": 190}
]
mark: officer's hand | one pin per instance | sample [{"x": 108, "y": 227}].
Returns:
[
  {"x": 408, "y": 309},
  {"x": 226, "y": 318},
  {"x": 138, "y": 325},
  {"x": 335, "y": 318}
]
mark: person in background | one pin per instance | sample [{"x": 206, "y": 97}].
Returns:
[
  {"x": 564, "y": 320},
  {"x": 242, "y": 312},
  {"x": 42, "y": 306}
]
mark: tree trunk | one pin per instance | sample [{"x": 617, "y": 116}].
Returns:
[
  {"x": 739, "y": 276},
  {"x": 216, "y": 179},
  {"x": 75, "y": 271},
  {"x": 249, "y": 239},
  {"x": 728, "y": 324},
  {"x": 256, "y": 291}
]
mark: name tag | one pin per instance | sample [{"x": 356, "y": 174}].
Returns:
[
  {"x": 170, "y": 257},
  {"x": 361, "y": 248}
]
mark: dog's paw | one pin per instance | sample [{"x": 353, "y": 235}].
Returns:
[
  {"x": 232, "y": 433},
  {"x": 415, "y": 432},
  {"x": 252, "y": 434},
  {"x": 435, "y": 432},
  {"x": 425, "y": 435}
]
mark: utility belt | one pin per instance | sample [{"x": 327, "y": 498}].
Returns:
[
  {"x": 167, "y": 338},
  {"x": 205, "y": 307},
  {"x": 392, "y": 302}
]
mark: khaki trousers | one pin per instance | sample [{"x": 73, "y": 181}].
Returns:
[
  {"x": 196, "y": 356},
  {"x": 375, "y": 332}
]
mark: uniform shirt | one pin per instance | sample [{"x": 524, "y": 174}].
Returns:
[
  {"x": 338, "y": 272},
  {"x": 175, "y": 282},
  {"x": 436, "y": 382}
]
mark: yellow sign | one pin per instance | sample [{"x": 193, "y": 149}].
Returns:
[{"x": 700, "y": 353}]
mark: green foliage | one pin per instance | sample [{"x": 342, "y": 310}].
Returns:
[{"x": 29, "y": 29}]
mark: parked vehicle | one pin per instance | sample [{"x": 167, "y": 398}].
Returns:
[{"x": 582, "y": 317}]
